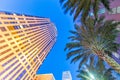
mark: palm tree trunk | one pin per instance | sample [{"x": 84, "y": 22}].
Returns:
[
  {"x": 112, "y": 63},
  {"x": 109, "y": 60}
]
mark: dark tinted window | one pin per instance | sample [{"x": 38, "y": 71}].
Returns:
[{"x": 3, "y": 29}]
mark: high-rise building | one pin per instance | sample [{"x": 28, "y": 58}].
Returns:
[
  {"x": 113, "y": 15},
  {"x": 24, "y": 43},
  {"x": 66, "y": 75},
  {"x": 45, "y": 77}
]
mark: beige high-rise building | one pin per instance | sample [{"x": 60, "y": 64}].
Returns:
[
  {"x": 24, "y": 43},
  {"x": 45, "y": 77}
]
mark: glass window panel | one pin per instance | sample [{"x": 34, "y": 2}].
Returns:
[
  {"x": 3, "y": 29},
  {"x": 6, "y": 22},
  {"x": 118, "y": 9},
  {"x": 10, "y": 28}
]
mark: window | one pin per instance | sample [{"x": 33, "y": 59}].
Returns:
[
  {"x": 21, "y": 18},
  {"x": 10, "y": 22},
  {"x": 22, "y": 21},
  {"x": 19, "y": 54},
  {"x": 29, "y": 19},
  {"x": 11, "y": 71},
  {"x": 7, "y": 34},
  {"x": 8, "y": 61},
  {"x": 6, "y": 22},
  {"x": 118, "y": 9},
  {"x": 28, "y": 67},
  {"x": 21, "y": 75},
  {"x": 17, "y": 27},
  {"x": 18, "y": 14},
  {"x": 31, "y": 25},
  {"x": 24, "y": 26},
  {"x": 9, "y": 68},
  {"x": 3, "y": 29},
  {"x": 11, "y": 18},
  {"x": 3, "y": 17},
  {"x": 10, "y": 28},
  {"x": 16, "y": 73},
  {"x": 7, "y": 18},
  {"x": 7, "y": 13},
  {"x": 22, "y": 57},
  {"x": 13, "y": 22}
]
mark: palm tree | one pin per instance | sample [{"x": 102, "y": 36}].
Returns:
[
  {"x": 94, "y": 39},
  {"x": 85, "y": 7},
  {"x": 96, "y": 71}
]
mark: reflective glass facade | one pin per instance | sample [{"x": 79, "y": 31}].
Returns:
[{"x": 24, "y": 43}]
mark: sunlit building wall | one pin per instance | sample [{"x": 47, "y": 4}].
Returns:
[
  {"x": 24, "y": 43},
  {"x": 45, "y": 77},
  {"x": 66, "y": 75}
]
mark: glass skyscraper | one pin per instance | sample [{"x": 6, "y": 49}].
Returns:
[{"x": 24, "y": 43}]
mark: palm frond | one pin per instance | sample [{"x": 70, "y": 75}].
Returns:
[
  {"x": 74, "y": 52},
  {"x": 97, "y": 39},
  {"x": 76, "y": 58},
  {"x": 106, "y": 4},
  {"x": 84, "y": 7},
  {"x": 79, "y": 9},
  {"x": 84, "y": 59},
  {"x": 72, "y": 45},
  {"x": 98, "y": 72}
]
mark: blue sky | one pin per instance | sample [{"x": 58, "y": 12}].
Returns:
[{"x": 56, "y": 60}]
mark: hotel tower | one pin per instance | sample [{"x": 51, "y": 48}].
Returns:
[{"x": 24, "y": 43}]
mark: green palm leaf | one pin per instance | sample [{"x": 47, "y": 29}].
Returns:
[
  {"x": 95, "y": 72},
  {"x": 94, "y": 38},
  {"x": 84, "y": 7}
]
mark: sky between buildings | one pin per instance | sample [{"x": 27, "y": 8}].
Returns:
[{"x": 56, "y": 60}]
